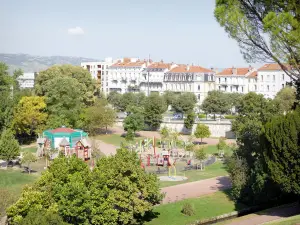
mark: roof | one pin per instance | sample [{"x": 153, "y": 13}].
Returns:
[
  {"x": 63, "y": 130},
  {"x": 25, "y": 76},
  {"x": 64, "y": 142},
  {"x": 189, "y": 69},
  {"x": 41, "y": 140},
  {"x": 252, "y": 75},
  {"x": 85, "y": 142},
  {"x": 128, "y": 64},
  {"x": 234, "y": 71},
  {"x": 272, "y": 66},
  {"x": 160, "y": 65}
]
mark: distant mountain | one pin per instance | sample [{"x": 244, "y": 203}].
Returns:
[{"x": 30, "y": 63}]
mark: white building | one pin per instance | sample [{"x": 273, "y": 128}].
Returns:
[
  {"x": 271, "y": 79},
  {"x": 27, "y": 80},
  {"x": 99, "y": 71},
  {"x": 153, "y": 77},
  {"x": 195, "y": 79},
  {"x": 126, "y": 75},
  {"x": 236, "y": 80}
]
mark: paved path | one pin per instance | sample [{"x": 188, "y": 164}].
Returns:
[
  {"x": 266, "y": 216},
  {"x": 105, "y": 148},
  {"x": 195, "y": 189}
]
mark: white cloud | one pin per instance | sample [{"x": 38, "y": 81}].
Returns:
[{"x": 76, "y": 31}]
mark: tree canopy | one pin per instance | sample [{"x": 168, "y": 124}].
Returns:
[
  {"x": 216, "y": 102},
  {"x": 9, "y": 146},
  {"x": 184, "y": 102},
  {"x": 117, "y": 191},
  {"x": 202, "y": 131},
  {"x": 286, "y": 99},
  {"x": 265, "y": 31}
]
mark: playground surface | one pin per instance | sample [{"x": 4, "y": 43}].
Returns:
[{"x": 195, "y": 189}]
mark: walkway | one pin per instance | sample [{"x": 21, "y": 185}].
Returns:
[
  {"x": 266, "y": 216},
  {"x": 195, "y": 189}
]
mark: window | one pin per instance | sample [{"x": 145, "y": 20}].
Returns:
[
  {"x": 282, "y": 76},
  {"x": 268, "y": 77},
  {"x": 262, "y": 78},
  {"x": 282, "y": 86},
  {"x": 219, "y": 80},
  {"x": 242, "y": 89},
  {"x": 231, "y": 88},
  {"x": 219, "y": 87},
  {"x": 225, "y": 80},
  {"x": 199, "y": 97},
  {"x": 198, "y": 87},
  {"x": 268, "y": 87},
  {"x": 273, "y": 77},
  {"x": 190, "y": 87}
]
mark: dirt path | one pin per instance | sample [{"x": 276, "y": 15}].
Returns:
[
  {"x": 267, "y": 215},
  {"x": 105, "y": 148},
  {"x": 195, "y": 189}
]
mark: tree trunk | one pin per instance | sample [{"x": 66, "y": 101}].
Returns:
[{"x": 105, "y": 129}]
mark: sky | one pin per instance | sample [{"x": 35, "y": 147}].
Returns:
[{"x": 179, "y": 31}]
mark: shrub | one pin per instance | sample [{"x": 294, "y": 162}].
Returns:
[
  {"x": 188, "y": 209},
  {"x": 201, "y": 116},
  {"x": 230, "y": 117}
]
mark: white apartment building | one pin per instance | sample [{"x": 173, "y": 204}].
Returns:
[
  {"x": 185, "y": 78},
  {"x": 153, "y": 77},
  {"x": 271, "y": 79},
  {"x": 237, "y": 80},
  {"x": 99, "y": 71},
  {"x": 27, "y": 80},
  {"x": 125, "y": 75}
]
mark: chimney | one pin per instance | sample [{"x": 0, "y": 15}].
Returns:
[
  {"x": 234, "y": 70},
  {"x": 162, "y": 61},
  {"x": 250, "y": 68}
]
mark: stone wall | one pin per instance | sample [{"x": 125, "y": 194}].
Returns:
[{"x": 217, "y": 128}]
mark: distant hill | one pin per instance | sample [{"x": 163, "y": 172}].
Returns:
[{"x": 31, "y": 63}]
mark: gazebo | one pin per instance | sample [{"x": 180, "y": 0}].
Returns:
[{"x": 68, "y": 141}]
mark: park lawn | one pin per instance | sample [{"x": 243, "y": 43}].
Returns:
[
  {"x": 29, "y": 149},
  {"x": 14, "y": 180},
  {"x": 214, "y": 170},
  {"x": 212, "y": 150},
  {"x": 293, "y": 220},
  {"x": 206, "y": 207}
]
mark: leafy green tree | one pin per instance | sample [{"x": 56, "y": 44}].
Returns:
[
  {"x": 221, "y": 144},
  {"x": 64, "y": 101},
  {"x": 81, "y": 78},
  {"x": 233, "y": 100},
  {"x": 265, "y": 31},
  {"x": 280, "y": 143},
  {"x": 286, "y": 99},
  {"x": 115, "y": 99},
  {"x": 202, "y": 131},
  {"x": 128, "y": 98},
  {"x": 170, "y": 97},
  {"x": 189, "y": 120},
  {"x": 129, "y": 135},
  {"x": 134, "y": 122},
  {"x": 185, "y": 102},
  {"x": 200, "y": 155},
  {"x": 154, "y": 107},
  {"x": 216, "y": 102},
  {"x": 99, "y": 116},
  {"x": 42, "y": 217},
  {"x": 30, "y": 115},
  {"x": 127, "y": 192},
  {"x": 9, "y": 146},
  {"x": 28, "y": 158}
]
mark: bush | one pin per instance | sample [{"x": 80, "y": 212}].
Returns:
[
  {"x": 230, "y": 117},
  {"x": 201, "y": 116},
  {"x": 188, "y": 209}
]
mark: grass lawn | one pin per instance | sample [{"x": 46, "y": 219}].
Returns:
[
  {"x": 29, "y": 149},
  {"x": 207, "y": 206},
  {"x": 14, "y": 180},
  {"x": 214, "y": 170},
  {"x": 293, "y": 220}
]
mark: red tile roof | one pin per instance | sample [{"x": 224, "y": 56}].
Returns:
[
  {"x": 253, "y": 74},
  {"x": 128, "y": 64},
  {"x": 272, "y": 66},
  {"x": 190, "y": 69},
  {"x": 234, "y": 71},
  {"x": 160, "y": 65},
  {"x": 62, "y": 130}
]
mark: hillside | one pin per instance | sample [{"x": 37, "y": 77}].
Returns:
[{"x": 30, "y": 63}]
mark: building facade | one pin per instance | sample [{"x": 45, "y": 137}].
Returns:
[
  {"x": 236, "y": 80},
  {"x": 271, "y": 79},
  {"x": 99, "y": 72},
  {"x": 27, "y": 80},
  {"x": 126, "y": 75},
  {"x": 195, "y": 79}
]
